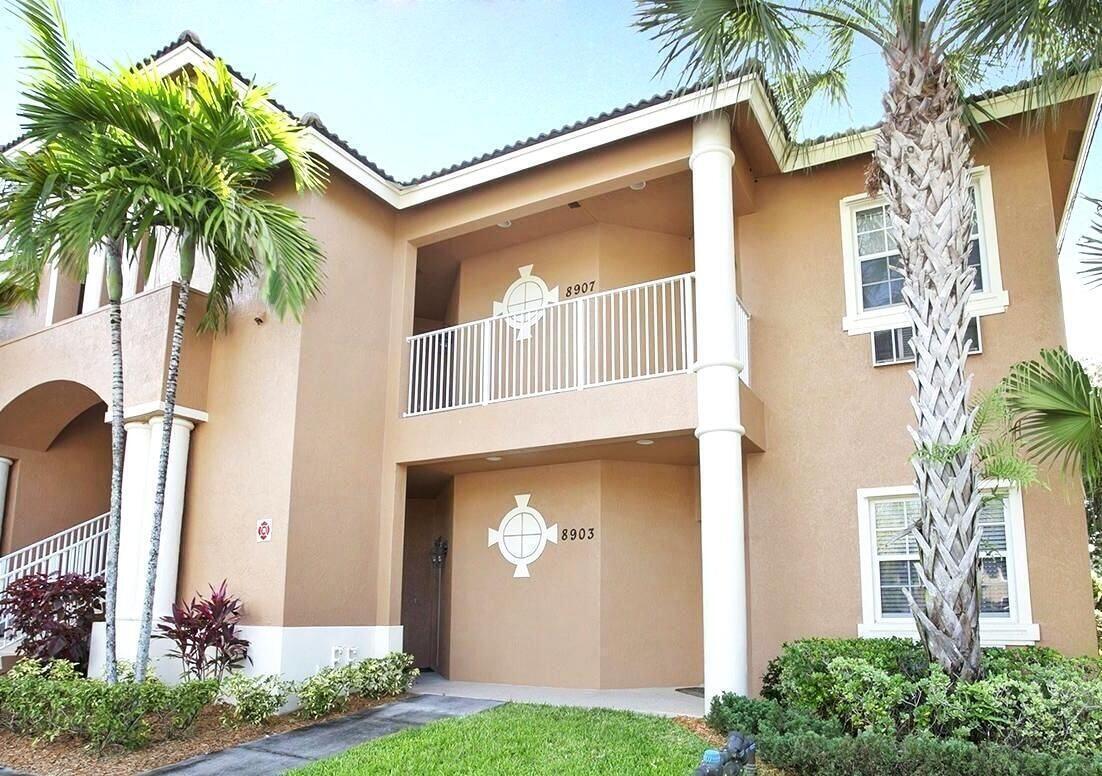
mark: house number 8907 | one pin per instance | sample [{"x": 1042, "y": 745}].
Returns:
[{"x": 577, "y": 534}]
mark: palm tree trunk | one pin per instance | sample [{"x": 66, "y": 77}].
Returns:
[
  {"x": 925, "y": 158},
  {"x": 114, "y": 521},
  {"x": 171, "y": 379}
]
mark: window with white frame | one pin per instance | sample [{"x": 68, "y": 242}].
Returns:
[
  {"x": 889, "y": 556},
  {"x": 874, "y": 298}
]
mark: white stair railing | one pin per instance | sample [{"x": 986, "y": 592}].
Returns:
[
  {"x": 630, "y": 333},
  {"x": 81, "y": 549}
]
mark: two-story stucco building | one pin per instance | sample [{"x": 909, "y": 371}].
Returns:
[{"x": 645, "y": 375}]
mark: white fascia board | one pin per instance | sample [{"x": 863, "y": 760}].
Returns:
[{"x": 355, "y": 169}]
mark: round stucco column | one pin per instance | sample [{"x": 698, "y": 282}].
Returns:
[
  {"x": 172, "y": 518},
  {"x": 719, "y": 424},
  {"x": 137, "y": 502}
]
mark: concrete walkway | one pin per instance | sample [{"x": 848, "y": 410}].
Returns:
[
  {"x": 286, "y": 751},
  {"x": 664, "y": 701}
]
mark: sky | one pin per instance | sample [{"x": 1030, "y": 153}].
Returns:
[{"x": 417, "y": 85}]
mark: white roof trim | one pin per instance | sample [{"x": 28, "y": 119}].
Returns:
[{"x": 748, "y": 88}]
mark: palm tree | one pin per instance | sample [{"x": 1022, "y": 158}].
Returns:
[
  {"x": 185, "y": 156},
  {"x": 1058, "y": 415},
  {"x": 921, "y": 164},
  {"x": 227, "y": 145},
  {"x": 53, "y": 212}
]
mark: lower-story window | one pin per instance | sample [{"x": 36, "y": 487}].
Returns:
[{"x": 889, "y": 558}]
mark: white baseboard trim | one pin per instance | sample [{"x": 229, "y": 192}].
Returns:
[
  {"x": 298, "y": 652},
  {"x": 293, "y": 653}
]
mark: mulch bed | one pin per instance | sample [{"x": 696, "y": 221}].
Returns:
[
  {"x": 699, "y": 727},
  {"x": 71, "y": 757}
]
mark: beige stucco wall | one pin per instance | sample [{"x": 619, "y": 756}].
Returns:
[
  {"x": 54, "y": 489},
  {"x": 340, "y": 414},
  {"x": 619, "y": 610},
  {"x": 295, "y": 433},
  {"x": 602, "y": 256},
  {"x": 837, "y": 424},
  {"x": 651, "y": 611}
]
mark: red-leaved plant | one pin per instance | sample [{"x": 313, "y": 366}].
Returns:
[
  {"x": 205, "y": 634},
  {"x": 54, "y": 614}
]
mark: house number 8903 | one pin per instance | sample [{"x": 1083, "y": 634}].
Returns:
[{"x": 577, "y": 534}]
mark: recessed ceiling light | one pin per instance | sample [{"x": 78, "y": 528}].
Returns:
[
  {"x": 504, "y": 224},
  {"x": 644, "y": 442},
  {"x": 638, "y": 186},
  {"x": 494, "y": 458}
]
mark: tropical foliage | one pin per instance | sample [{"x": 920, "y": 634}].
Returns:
[
  {"x": 921, "y": 165},
  {"x": 205, "y": 634},
  {"x": 53, "y": 613},
  {"x": 1058, "y": 415},
  {"x": 127, "y": 158}
]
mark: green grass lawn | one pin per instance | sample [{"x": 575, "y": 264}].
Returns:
[{"x": 527, "y": 739}]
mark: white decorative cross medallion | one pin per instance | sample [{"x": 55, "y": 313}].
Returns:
[
  {"x": 524, "y": 302},
  {"x": 523, "y": 535}
]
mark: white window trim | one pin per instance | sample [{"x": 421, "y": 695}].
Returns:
[
  {"x": 992, "y": 300},
  {"x": 1018, "y": 630}
]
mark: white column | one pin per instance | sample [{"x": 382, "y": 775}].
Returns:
[
  {"x": 95, "y": 280},
  {"x": 5, "y": 471},
  {"x": 719, "y": 426},
  {"x": 139, "y": 476},
  {"x": 173, "y": 516},
  {"x": 137, "y": 504}
]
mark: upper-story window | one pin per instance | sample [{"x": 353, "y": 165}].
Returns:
[
  {"x": 874, "y": 287},
  {"x": 889, "y": 559}
]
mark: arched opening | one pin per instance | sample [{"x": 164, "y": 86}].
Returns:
[{"x": 60, "y": 448}]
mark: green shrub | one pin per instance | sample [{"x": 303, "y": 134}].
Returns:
[
  {"x": 254, "y": 698},
  {"x": 1031, "y": 699},
  {"x": 869, "y": 754},
  {"x": 380, "y": 677},
  {"x": 46, "y": 700},
  {"x": 325, "y": 691},
  {"x": 800, "y": 675}
]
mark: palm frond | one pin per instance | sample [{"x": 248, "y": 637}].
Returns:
[
  {"x": 1090, "y": 245},
  {"x": 17, "y": 288},
  {"x": 1058, "y": 413},
  {"x": 50, "y": 53}
]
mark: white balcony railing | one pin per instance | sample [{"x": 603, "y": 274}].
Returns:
[
  {"x": 629, "y": 333},
  {"x": 81, "y": 549}
]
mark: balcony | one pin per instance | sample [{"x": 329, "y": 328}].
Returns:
[{"x": 532, "y": 348}]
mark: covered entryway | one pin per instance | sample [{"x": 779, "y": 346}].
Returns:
[{"x": 571, "y": 567}]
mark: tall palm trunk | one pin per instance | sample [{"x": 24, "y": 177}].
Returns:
[
  {"x": 925, "y": 159},
  {"x": 114, "y": 521},
  {"x": 187, "y": 262}
]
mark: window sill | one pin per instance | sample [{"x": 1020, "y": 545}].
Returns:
[
  {"x": 993, "y": 633},
  {"x": 986, "y": 303}
]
